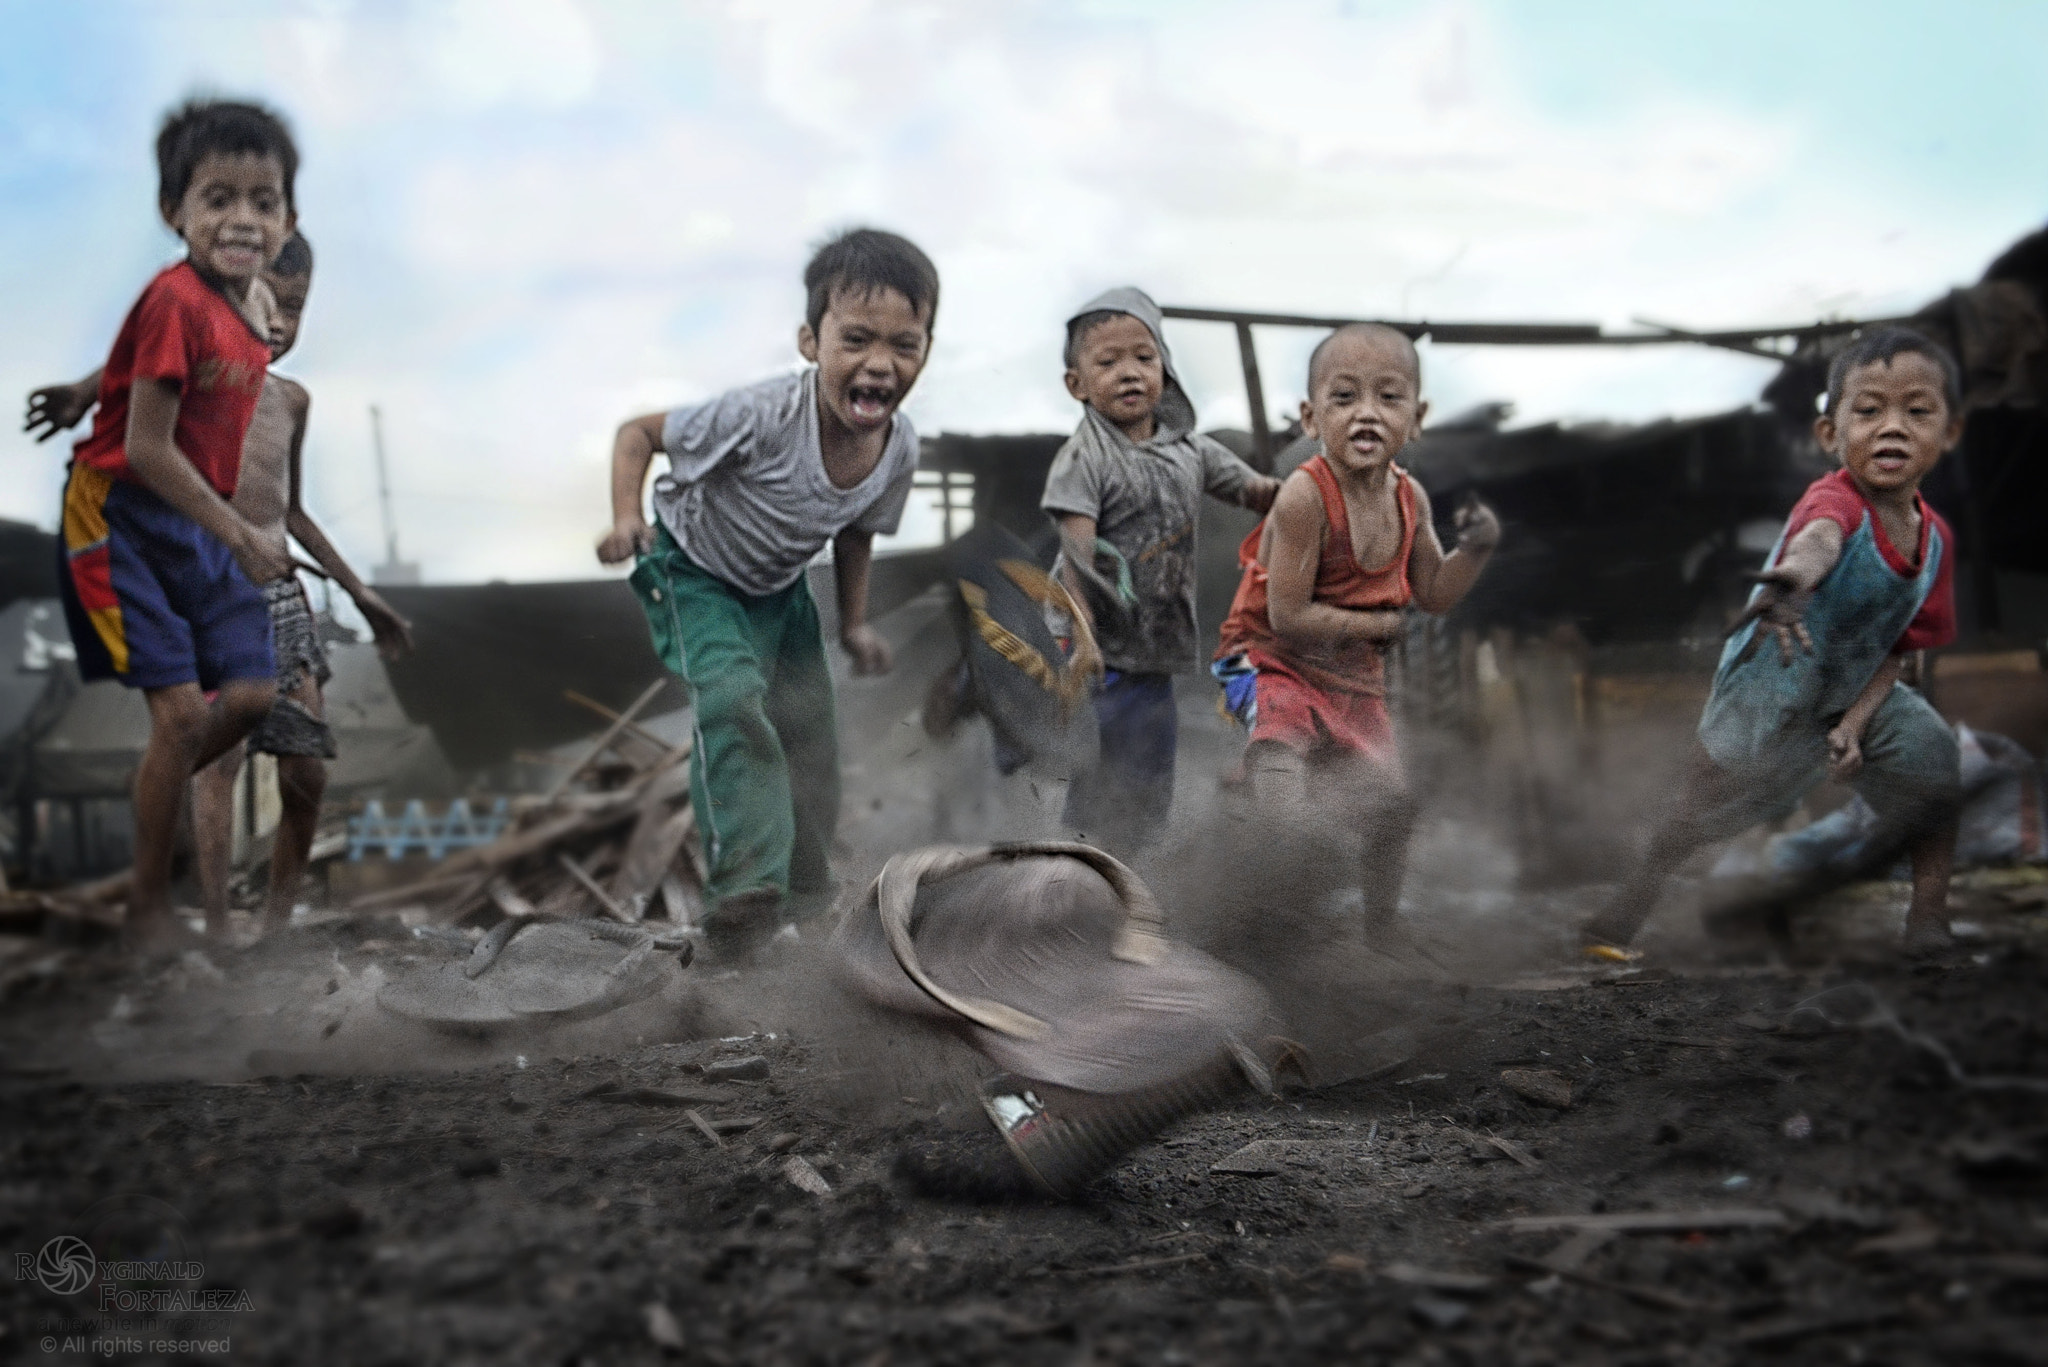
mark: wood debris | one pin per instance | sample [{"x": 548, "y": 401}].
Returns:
[
  {"x": 1544, "y": 1086},
  {"x": 1263, "y": 1157},
  {"x": 803, "y": 1176},
  {"x": 1655, "y": 1221},
  {"x": 614, "y": 836}
]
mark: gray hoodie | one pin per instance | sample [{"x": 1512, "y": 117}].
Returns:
[{"x": 1144, "y": 498}]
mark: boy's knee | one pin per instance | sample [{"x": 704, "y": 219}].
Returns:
[
  {"x": 741, "y": 700},
  {"x": 1913, "y": 772},
  {"x": 244, "y": 702},
  {"x": 179, "y": 718},
  {"x": 301, "y": 780}
]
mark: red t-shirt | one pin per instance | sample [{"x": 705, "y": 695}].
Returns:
[
  {"x": 1835, "y": 496},
  {"x": 181, "y": 330}
]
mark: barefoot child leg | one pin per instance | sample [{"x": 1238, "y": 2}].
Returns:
[
  {"x": 1311, "y": 622},
  {"x": 1808, "y": 686},
  {"x": 160, "y": 573}
]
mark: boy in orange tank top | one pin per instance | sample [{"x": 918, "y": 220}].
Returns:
[{"x": 1349, "y": 545}]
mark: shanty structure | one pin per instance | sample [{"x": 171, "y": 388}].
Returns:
[{"x": 1991, "y": 490}]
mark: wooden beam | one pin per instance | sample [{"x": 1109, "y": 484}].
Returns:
[
  {"x": 624, "y": 720},
  {"x": 1262, "y": 436},
  {"x": 633, "y": 729},
  {"x": 1535, "y": 334}
]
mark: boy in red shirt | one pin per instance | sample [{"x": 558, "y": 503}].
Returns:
[
  {"x": 1303, "y": 654},
  {"x": 1809, "y": 684},
  {"x": 268, "y": 495},
  {"x": 158, "y": 573}
]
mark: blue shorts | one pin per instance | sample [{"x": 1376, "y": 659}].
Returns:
[{"x": 152, "y": 598}]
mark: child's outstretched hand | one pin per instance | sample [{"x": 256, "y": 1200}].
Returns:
[
  {"x": 1779, "y": 609},
  {"x": 871, "y": 654},
  {"x": 56, "y": 407},
  {"x": 1477, "y": 526},
  {"x": 393, "y": 633},
  {"x": 1845, "y": 752},
  {"x": 625, "y": 540}
]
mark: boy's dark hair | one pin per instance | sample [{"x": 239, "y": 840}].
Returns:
[
  {"x": 294, "y": 258},
  {"x": 1882, "y": 344},
  {"x": 1079, "y": 328},
  {"x": 199, "y": 127},
  {"x": 865, "y": 260}
]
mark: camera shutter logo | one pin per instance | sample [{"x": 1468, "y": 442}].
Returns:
[{"x": 66, "y": 1265}]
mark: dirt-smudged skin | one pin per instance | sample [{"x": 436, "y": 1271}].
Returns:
[{"x": 534, "y": 1214}]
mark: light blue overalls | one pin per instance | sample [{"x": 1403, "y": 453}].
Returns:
[{"x": 1766, "y": 721}]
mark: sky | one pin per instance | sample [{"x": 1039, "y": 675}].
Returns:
[{"x": 535, "y": 218}]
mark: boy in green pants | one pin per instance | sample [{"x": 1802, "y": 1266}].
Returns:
[{"x": 759, "y": 479}]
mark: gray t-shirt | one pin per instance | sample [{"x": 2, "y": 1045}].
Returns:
[
  {"x": 1145, "y": 499},
  {"x": 746, "y": 495}
]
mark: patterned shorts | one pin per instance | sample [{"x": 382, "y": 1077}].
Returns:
[{"x": 290, "y": 729}]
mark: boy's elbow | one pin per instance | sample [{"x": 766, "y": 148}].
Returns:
[
  {"x": 1287, "y": 625},
  {"x": 639, "y": 438}
]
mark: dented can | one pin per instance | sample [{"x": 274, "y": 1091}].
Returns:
[{"x": 1064, "y": 1139}]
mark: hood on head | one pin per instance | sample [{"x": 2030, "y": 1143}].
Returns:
[{"x": 1175, "y": 413}]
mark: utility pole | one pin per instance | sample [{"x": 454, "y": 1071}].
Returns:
[{"x": 393, "y": 570}]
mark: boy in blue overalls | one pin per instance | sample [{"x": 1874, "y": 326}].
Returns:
[{"x": 1809, "y": 686}]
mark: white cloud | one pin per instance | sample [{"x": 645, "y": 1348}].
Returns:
[
  {"x": 488, "y": 52},
  {"x": 537, "y": 218}
]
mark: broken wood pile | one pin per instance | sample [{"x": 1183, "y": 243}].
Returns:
[
  {"x": 614, "y": 836},
  {"x": 101, "y": 902}
]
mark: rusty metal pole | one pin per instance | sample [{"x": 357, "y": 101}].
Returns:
[{"x": 1262, "y": 436}]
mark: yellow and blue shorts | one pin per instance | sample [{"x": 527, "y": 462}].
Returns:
[{"x": 152, "y": 598}]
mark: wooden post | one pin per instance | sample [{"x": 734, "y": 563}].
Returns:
[{"x": 1262, "y": 436}]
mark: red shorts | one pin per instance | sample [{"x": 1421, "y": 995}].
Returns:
[{"x": 1302, "y": 717}]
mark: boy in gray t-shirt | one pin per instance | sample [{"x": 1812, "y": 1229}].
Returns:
[
  {"x": 1126, "y": 490},
  {"x": 759, "y": 479}
]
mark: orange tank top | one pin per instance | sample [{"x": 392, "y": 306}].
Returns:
[{"x": 1340, "y": 582}]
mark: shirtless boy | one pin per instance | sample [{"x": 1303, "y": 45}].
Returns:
[
  {"x": 1809, "y": 686},
  {"x": 1302, "y": 658},
  {"x": 268, "y": 498}
]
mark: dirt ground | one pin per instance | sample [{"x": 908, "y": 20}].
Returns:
[
  {"x": 707, "y": 1175},
  {"x": 588, "y": 1198}
]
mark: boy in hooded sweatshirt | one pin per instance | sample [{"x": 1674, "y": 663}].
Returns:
[{"x": 1126, "y": 490}]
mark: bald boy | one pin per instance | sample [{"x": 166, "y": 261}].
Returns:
[{"x": 1348, "y": 546}]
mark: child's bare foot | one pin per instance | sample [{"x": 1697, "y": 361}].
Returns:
[
  {"x": 1925, "y": 936},
  {"x": 158, "y": 933}
]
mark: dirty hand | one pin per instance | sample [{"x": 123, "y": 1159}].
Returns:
[
  {"x": 56, "y": 407},
  {"x": 1845, "y": 753},
  {"x": 392, "y": 632},
  {"x": 262, "y": 560},
  {"x": 626, "y": 539},
  {"x": 1778, "y": 609},
  {"x": 871, "y": 654},
  {"x": 1477, "y": 526}
]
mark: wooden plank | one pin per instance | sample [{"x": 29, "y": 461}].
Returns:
[
  {"x": 633, "y": 728},
  {"x": 1654, "y": 1221},
  {"x": 611, "y": 734},
  {"x": 595, "y": 889}
]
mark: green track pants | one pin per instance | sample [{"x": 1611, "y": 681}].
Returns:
[{"x": 764, "y": 776}]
